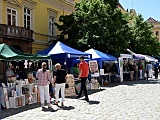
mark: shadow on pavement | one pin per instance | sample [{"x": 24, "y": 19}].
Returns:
[
  {"x": 48, "y": 109},
  {"x": 66, "y": 107},
  {"x": 94, "y": 91},
  {"x": 91, "y": 102},
  {"x": 88, "y": 91},
  {"x": 12, "y": 111},
  {"x": 134, "y": 82}
]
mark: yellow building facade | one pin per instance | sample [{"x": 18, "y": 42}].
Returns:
[
  {"x": 156, "y": 27},
  {"x": 30, "y": 23}
]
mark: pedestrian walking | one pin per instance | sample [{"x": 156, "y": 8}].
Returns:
[
  {"x": 60, "y": 77},
  {"x": 156, "y": 70},
  {"x": 43, "y": 75},
  {"x": 83, "y": 75}
]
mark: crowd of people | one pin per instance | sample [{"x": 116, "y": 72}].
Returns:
[
  {"x": 143, "y": 70},
  {"x": 58, "y": 82},
  {"x": 48, "y": 84}
]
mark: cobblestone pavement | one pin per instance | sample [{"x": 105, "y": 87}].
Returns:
[{"x": 131, "y": 100}]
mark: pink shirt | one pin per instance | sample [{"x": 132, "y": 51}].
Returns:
[{"x": 43, "y": 78}]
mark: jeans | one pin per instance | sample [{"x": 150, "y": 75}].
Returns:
[
  {"x": 58, "y": 87},
  {"x": 44, "y": 93}
]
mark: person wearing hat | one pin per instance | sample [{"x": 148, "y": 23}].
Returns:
[
  {"x": 43, "y": 75},
  {"x": 59, "y": 80}
]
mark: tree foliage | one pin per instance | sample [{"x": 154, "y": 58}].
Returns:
[
  {"x": 101, "y": 25},
  {"x": 143, "y": 40}
]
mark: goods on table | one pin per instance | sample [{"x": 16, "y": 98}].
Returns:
[{"x": 71, "y": 90}]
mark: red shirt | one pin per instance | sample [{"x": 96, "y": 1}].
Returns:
[
  {"x": 83, "y": 66},
  {"x": 140, "y": 67}
]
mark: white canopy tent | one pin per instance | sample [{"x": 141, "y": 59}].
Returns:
[{"x": 149, "y": 58}]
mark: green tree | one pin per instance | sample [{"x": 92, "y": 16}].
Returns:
[
  {"x": 96, "y": 24},
  {"x": 143, "y": 40}
]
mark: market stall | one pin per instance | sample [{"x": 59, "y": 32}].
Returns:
[
  {"x": 105, "y": 62},
  {"x": 64, "y": 54},
  {"x": 14, "y": 94},
  {"x": 139, "y": 61}
]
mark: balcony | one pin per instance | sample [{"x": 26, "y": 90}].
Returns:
[{"x": 15, "y": 32}]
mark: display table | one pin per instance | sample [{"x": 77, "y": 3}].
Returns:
[{"x": 106, "y": 77}]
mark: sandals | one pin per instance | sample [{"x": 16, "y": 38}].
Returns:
[{"x": 55, "y": 103}]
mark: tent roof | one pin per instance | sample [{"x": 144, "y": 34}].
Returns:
[
  {"x": 140, "y": 56},
  {"x": 100, "y": 55},
  {"x": 47, "y": 50},
  {"x": 9, "y": 53},
  {"x": 61, "y": 50},
  {"x": 149, "y": 58}
]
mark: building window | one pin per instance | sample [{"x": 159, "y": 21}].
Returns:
[
  {"x": 27, "y": 18},
  {"x": 11, "y": 16},
  {"x": 157, "y": 33},
  {"x": 51, "y": 26}
]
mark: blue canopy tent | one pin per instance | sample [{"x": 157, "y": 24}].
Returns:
[
  {"x": 47, "y": 50},
  {"x": 63, "y": 53},
  {"x": 61, "y": 50},
  {"x": 100, "y": 56}
]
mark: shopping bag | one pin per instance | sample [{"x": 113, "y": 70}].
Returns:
[{"x": 78, "y": 87}]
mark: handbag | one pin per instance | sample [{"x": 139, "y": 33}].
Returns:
[{"x": 66, "y": 85}]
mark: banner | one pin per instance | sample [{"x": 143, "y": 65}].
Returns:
[{"x": 93, "y": 65}]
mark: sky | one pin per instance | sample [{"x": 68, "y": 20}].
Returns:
[{"x": 147, "y": 8}]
